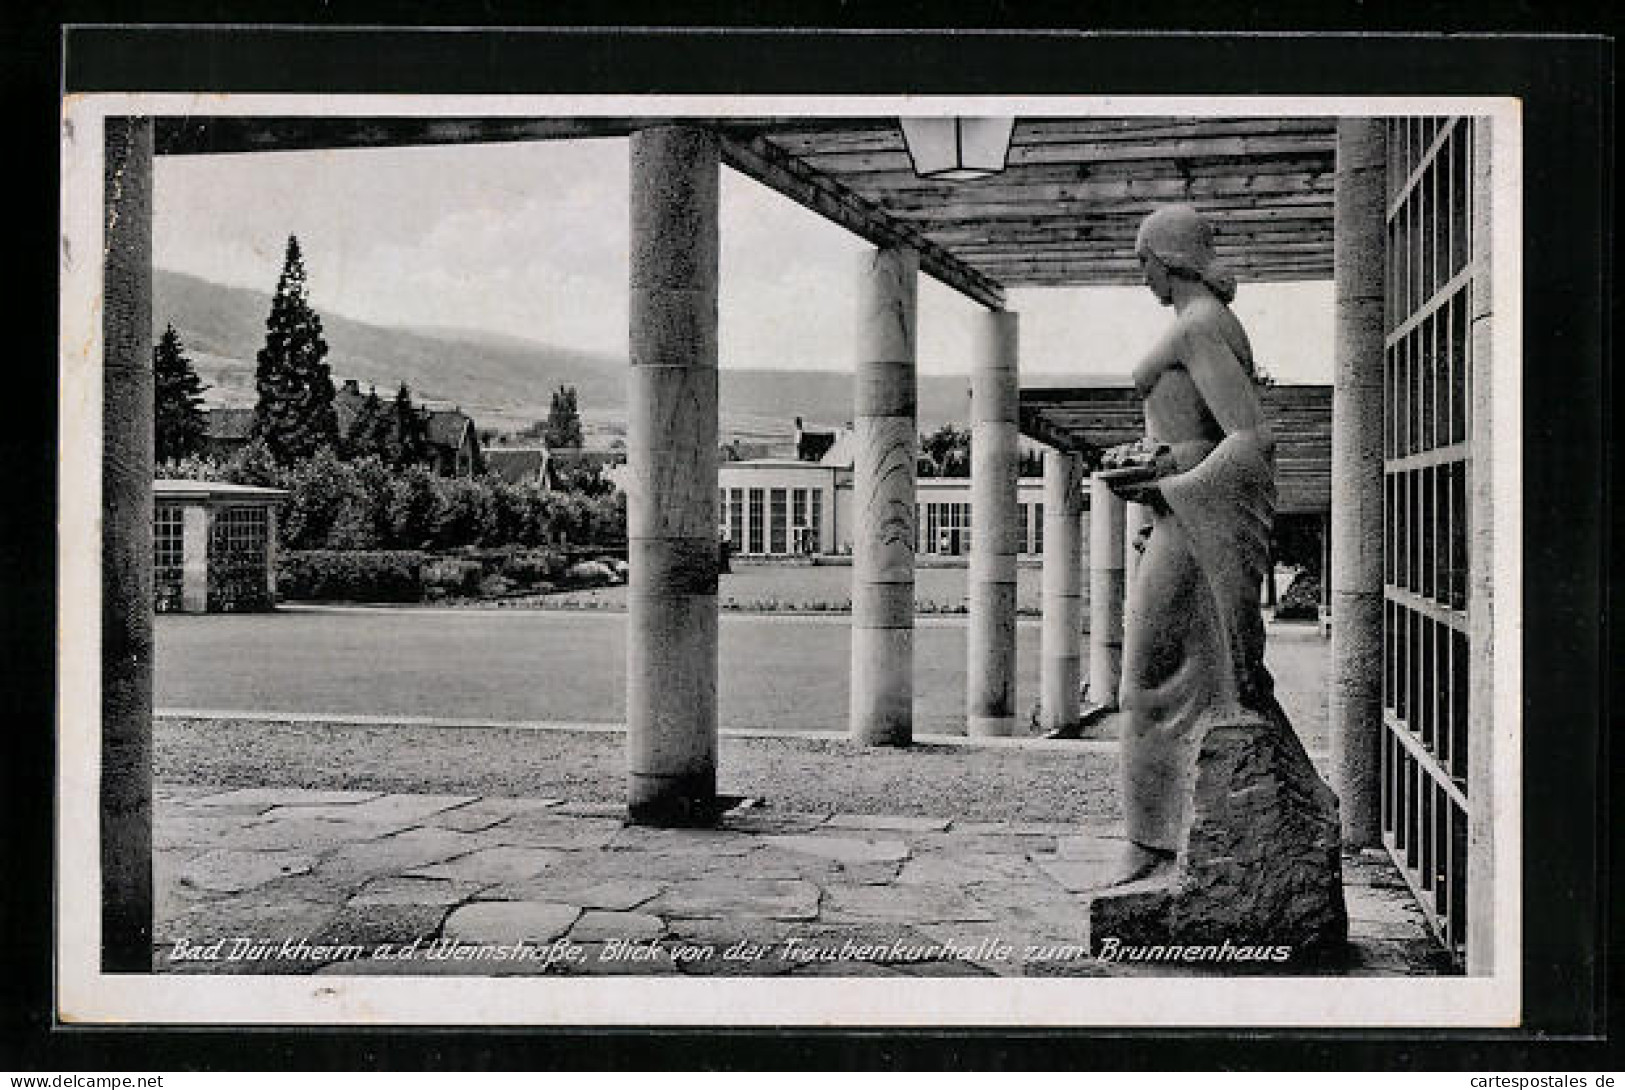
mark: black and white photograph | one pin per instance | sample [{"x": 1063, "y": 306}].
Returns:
[{"x": 840, "y": 560}]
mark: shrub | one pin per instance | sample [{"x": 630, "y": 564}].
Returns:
[
  {"x": 413, "y": 508},
  {"x": 452, "y": 576},
  {"x": 532, "y": 567},
  {"x": 468, "y": 516},
  {"x": 351, "y": 575},
  {"x": 319, "y": 488}
]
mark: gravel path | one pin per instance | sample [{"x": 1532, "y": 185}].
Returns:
[{"x": 790, "y": 773}]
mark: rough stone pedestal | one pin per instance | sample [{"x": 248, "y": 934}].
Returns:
[{"x": 1262, "y": 863}]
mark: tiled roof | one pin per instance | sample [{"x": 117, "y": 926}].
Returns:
[
  {"x": 229, "y": 423},
  {"x": 446, "y": 426},
  {"x": 516, "y": 465},
  {"x": 571, "y": 457}
]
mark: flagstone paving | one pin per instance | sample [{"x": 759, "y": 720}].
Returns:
[{"x": 295, "y": 881}]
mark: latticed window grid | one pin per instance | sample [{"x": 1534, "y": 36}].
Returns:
[
  {"x": 239, "y": 539},
  {"x": 778, "y": 515},
  {"x": 1427, "y": 466},
  {"x": 756, "y": 542},
  {"x": 168, "y": 557}
]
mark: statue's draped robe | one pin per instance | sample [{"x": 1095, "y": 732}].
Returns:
[{"x": 1194, "y": 651}]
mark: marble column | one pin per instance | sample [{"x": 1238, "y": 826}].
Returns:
[
  {"x": 1355, "y": 702},
  {"x": 1481, "y": 574},
  {"x": 886, "y": 439},
  {"x": 1106, "y": 591},
  {"x": 1061, "y": 639},
  {"x": 127, "y": 576},
  {"x": 996, "y": 530},
  {"x": 671, "y": 677}
]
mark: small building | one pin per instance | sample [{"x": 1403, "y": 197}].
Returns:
[
  {"x": 214, "y": 547},
  {"x": 454, "y": 443}
]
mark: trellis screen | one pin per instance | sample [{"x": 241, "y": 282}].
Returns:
[{"x": 1427, "y": 465}]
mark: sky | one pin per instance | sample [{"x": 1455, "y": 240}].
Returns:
[{"x": 530, "y": 240}]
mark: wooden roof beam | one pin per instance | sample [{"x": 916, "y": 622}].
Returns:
[{"x": 777, "y": 169}]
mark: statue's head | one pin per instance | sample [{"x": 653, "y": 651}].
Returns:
[{"x": 1176, "y": 241}]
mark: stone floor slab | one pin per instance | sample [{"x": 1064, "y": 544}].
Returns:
[
  {"x": 308, "y": 832},
  {"x": 403, "y": 890},
  {"x": 897, "y": 823},
  {"x": 267, "y": 798},
  {"x": 251, "y": 916},
  {"x": 868, "y": 874},
  {"x": 907, "y": 904},
  {"x": 188, "y": 827},
  {"x": 370, "y": 926},
  {"x": 963, "y": 869},
  {"x": 1078, "y": 875},
  {"x": 549, "y": 829},
  {"x": 764, "y": 820},
  {"x": 842, "y": 849},
  {"x": 492, "y": 866},
  {"x": 711, "y": 843},
  {"x": 772, "y": 899},
  {"x": 510, "y": 921},
  {"x": 485, "y": 813},
  {"x": 400, "y": 852},
  {"x": 615, "y": 895},
  {"x": 228, "y": 871},
  {"x": 397, "y": 811},
  {"x": 596, "y": 925}
]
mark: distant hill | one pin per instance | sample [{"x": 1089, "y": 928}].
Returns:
[{"x": 505, "y": 382}]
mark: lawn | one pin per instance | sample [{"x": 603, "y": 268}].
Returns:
[{"x": 777, "y": 672}]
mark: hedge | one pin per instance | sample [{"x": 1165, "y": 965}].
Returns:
[
  {"x": 365, "y": 505},
  {"x": 351, "y": 575}
]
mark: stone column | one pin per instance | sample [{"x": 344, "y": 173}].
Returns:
[
  {"x": 1106, "y": 587},
  {"x": 1061, "y": 642},
  {"x": 127, "y": 452},
  {"x": 1357, "y": 517},
  {"x": 671, "y": 677},
  {"x": 195, "y": 520},
  {"x": 886, "y": 438},
  {"x": 990, "y": 673},
  {"x": 1481, "y": 577}
]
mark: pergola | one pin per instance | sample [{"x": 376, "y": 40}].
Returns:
[{"x": 1290, "y": 199}]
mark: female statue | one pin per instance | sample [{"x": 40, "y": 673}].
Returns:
[{"x": 1194, "y": 639}]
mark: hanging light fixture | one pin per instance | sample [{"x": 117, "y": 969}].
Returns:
[{"x": 957, "y": 149}]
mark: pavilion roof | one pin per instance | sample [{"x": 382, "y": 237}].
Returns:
[
  {"x": 1094, "y": 418},
  {"x": 1063, "y": 213}
]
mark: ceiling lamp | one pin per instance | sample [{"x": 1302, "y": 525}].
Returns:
[{"x": 957, "y": 149}]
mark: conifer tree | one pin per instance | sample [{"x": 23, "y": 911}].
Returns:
[
  {"x": 563, "y": 428},
  {"x": 295, "y": 413},
  {"x": 370, "y": 431},
  {"x": 408, "y": 432},
  {"x": 178, "y": 421}
]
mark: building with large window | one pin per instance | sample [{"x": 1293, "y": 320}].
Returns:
[{"x": 780, "y": 507}]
